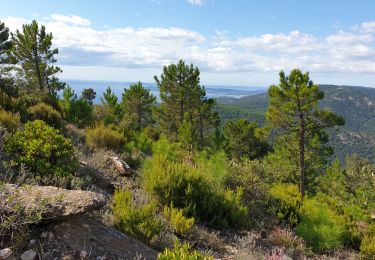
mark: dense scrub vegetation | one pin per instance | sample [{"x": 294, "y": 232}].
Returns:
[{"x": 273, "y": 176}]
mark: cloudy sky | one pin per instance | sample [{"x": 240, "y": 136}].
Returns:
[{"x": 233, "y": 42}]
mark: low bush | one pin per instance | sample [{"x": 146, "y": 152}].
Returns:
[
  {"x": 320, "y": 227},
  {"x": 176, "y": 219},
  {"x": 182, "y": 251},
  {"x": 43, "y": 151},
  {"x": 285, "y": 203},
  {"x": 190, "y": 189},
  {"x": 368, "y": 242},
  {"x": 138, "y": 221},
  {"x": 46, "y": 113},
  {"x": 9, "y": 121},
  {"x": 104, "y": 137}
]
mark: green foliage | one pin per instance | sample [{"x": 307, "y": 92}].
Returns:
[
  {"x": 190, "y": 189},
  {"x": 89, "y": 95},
  {"x": 104, "y": 137},
  {"x": 32, "y": 51},
  {"x": 187, "y": 134},
  {"x": 10, "y": 121},
  {"x": 46, "y": 113},
  {"x": 76, "y": 110},
  {"x": 175, "y": 217},
  {"x": 138, "y": 221},
  {"x": 180, "y": 93},
  {"x": 285, "y": 203},
  {"x": 244, "y": 139},
  {"x": 137, "y": 104},
  {"x": 320, "y": 227},
  {"x": 112, "y": 109},
  {"x": 42, "y": 150},
  {"x": 182, "y": 252},
  {"x": 368, "y": 242}
]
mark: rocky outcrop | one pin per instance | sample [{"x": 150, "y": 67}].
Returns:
[
  {"x": 51, "y": 202},
  {"x": 89, "y": 236},
  {"x": 120, "y": 165}
]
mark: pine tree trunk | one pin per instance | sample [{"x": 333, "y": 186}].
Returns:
[{"x": 302, "y": 156}]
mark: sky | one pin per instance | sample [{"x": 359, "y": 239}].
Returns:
[{"x": 233, "y": 42}]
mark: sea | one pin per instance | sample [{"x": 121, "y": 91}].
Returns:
[{"x": 118, "y": 88}]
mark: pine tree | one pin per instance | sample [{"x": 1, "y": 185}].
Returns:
[
  {"x": 6, "y": 79},
  {"x": 32, "y": 51},
  {"x": 294, "y": 114},
  {"x": 111, "y": 106},
  {"x": 137, "y": 104},
  {"x": 180, "y": 93},
  {"x": 89, "y": 95}
]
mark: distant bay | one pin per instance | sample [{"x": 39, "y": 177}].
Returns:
[{"x": 118, "y": 88}]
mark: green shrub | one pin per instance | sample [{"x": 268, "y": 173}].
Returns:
[
  {"x": 10, "y": 121},
  {"x": 182, "y": 252},
  {"x": 190, "y": 189},
  {"x": 46, "y": 113},
  {"x": 285, "y": 203},
  {"x": 140, "y": 222},
  {"x": 177, "y": 220},
  {"x": 42, "y": 150},
  {"x": 104, "y": 137},
  {"x": 320, "y": 227},
  {"x": 368, "y": 242}
]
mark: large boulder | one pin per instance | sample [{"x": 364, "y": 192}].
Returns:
[
  {"x": 88, "y": 234},
  {"x": 51, "y": 202}
]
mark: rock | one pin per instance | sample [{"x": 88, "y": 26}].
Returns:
[
  {"x": 5, "y": 253},
  {"x": 57, "y": 202},
  {"x": 44, "y": 235},
  {"x": 29, "y": 255},
  {"x": 83, "y": 254},
  {"x": 33, "y": 243},
  {"x": 121, "y": 166},
  {"x": 86, "y": 232}
]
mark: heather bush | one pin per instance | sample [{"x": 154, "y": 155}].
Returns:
[
  {"x": 46, "y": 113},
  {"x": 9, "y": 121},
  {"x": 182, "y": 251},
  {"x": 176, "y": 219},
  {"x": 368, "y": 242},
  {"x": 138, "y": 221},
  {"x": 285, "y": 203},
  {"x": 189, "y": 188},
  {"x": 43, "y": 151},
  {"x": 104, "y": 137}
]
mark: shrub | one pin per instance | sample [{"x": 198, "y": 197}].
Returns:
[
  {"x": 368, "y": 242},
  {"x": 177, "y": 220},
  {"x": 182, "y": 251},
  {"x": 46, "y": 113},
  {"x": 320, "y": 227},
  {"x": 285, "y": 203},
  {"x": 42, "y": 150},
  {"x": 10, "y": 121},
  {"x": 104, "y": 137},
  {"x": 188, "y": 188},
  {"x": 140, "y": 222}
]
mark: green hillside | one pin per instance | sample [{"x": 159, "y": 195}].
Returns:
[{"x": 355, "y": 104}]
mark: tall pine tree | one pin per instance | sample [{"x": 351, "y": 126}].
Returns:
[
  {"x": 294, "y": 114},
  {"x": 137, "y": 104},
  {"x": 32, "y": 51}
]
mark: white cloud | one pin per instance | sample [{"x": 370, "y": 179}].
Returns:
[
  {"x": 72, "y": 19},
  {"x": 196, "y": 2},
  {"x": 153, "y": 47}
]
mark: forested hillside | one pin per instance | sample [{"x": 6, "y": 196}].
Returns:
[{"x": 355, "y": 104}]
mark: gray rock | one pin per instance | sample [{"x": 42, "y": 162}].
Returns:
[
  {"x": 33, "y": 243},
  {"x": 83, "y": 254},
  {"x": 5, "y": 253},
  {"x": 58, "y": 203},
  {"x": 29, "y": 255}
]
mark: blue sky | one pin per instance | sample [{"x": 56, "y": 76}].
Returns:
[{"x": 232, "y": 42}]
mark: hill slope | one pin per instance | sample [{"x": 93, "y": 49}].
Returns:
[{"x": 355, "y": 104}]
